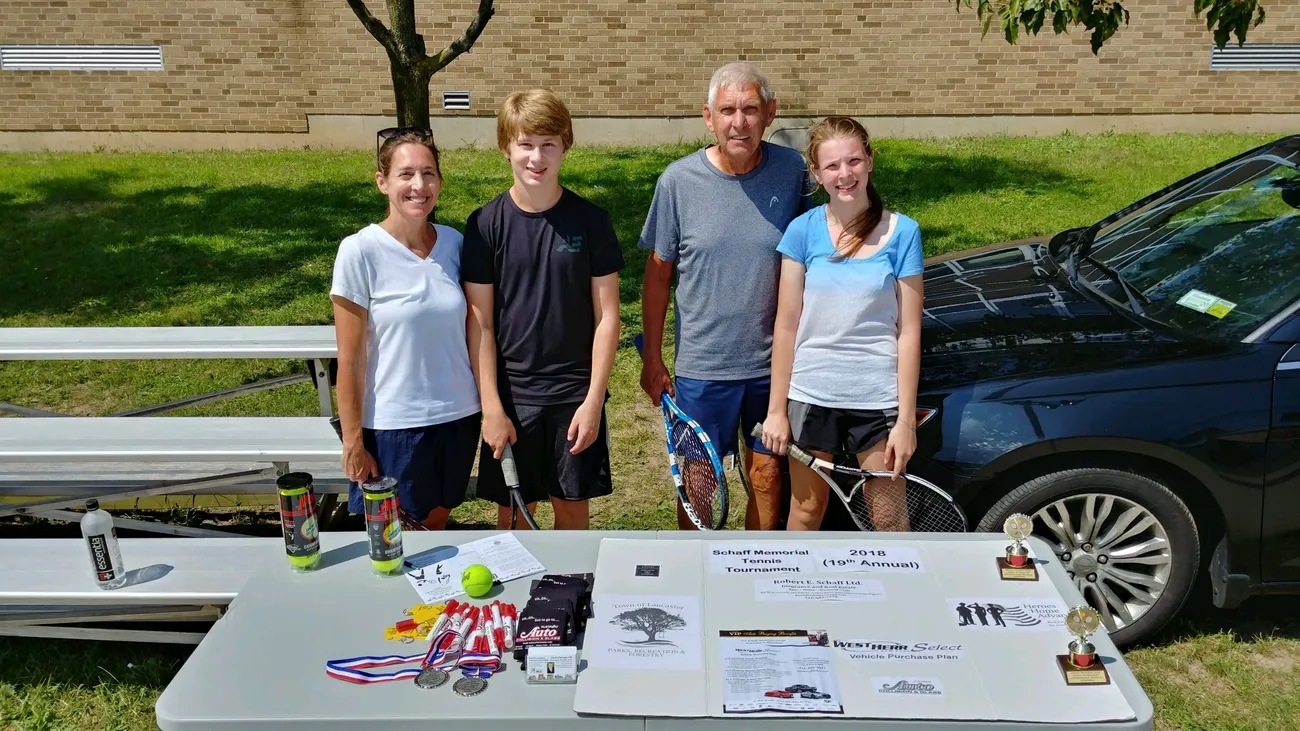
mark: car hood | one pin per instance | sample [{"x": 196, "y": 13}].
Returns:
[{"x": 1008, "y": 310}]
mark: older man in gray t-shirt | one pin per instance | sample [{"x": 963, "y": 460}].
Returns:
[{"x": 716, "y": 219}]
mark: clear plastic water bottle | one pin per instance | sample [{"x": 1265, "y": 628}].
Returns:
[{"x": 101, "y": 539}]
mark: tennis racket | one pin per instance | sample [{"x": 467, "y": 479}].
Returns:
[
  {"x": 694, "y": 463},
  {"x": 517, "y": 505},
  {"x": 917, "y": 506}
]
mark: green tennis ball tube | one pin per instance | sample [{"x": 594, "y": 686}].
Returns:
[
  {"x": 383, "y": 525},
  {"x": 299, "y": 521}
]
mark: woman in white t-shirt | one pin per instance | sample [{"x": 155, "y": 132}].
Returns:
[
  {"x": 408, "y": 405},
  {"x": 846, "y": 350}
]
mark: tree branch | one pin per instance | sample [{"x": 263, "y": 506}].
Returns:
[
  {"x": 374, "y": 25},
  {"x": 430, "y": 65}
]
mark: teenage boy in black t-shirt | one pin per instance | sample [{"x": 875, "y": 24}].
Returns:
[{"x": 540, "y": 268}]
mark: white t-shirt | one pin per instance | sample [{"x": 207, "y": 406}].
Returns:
[{"x": 417, "y": 361}]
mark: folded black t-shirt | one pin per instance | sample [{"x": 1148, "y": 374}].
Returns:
[{"x": 541, "y": 266}]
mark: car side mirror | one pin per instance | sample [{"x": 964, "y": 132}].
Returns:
[{"x": 1063, "y": 239}]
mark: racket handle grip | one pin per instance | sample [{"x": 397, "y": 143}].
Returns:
[
  {"x": 508, "y": 469},
  {"x": 791, "y": 449}
]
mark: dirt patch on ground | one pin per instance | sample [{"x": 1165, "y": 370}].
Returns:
[{"x": 1281, "y": 660}]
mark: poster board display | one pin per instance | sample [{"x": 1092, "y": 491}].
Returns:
[{"x": 871, "y": 628}]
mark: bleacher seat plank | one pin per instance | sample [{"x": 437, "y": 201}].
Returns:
[{"x": 168, "y": 439}]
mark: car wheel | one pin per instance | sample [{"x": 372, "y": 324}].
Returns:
[{"x": 1127, "y": 541}]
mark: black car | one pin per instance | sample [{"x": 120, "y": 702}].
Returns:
[{"x": 1134, "y": 386}]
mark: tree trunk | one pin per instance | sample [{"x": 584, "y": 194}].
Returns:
[{"x": 411, "y": 91}]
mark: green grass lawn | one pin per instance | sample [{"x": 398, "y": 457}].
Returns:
[{"x": 249, "y": 239}]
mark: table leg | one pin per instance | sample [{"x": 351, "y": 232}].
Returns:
[{"x": 323, "y": 386}]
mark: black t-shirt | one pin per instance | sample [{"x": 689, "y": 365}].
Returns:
[{"x": 541, "y": 266}]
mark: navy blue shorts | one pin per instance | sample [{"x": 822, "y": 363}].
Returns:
[
  {"x": 724, "y": 408},
  {"x": 431, "y": 464},
  {"x": 546, "y": 469}
]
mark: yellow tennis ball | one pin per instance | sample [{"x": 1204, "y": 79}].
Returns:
[{"x": 476, "y": 580}]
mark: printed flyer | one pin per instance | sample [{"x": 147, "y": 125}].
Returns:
[
  {"x": 638, "y": 632},
  {"x": 782, "y": 671}
]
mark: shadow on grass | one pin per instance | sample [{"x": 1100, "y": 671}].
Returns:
[
  {"x": 37, "y": 661},
  {"x": 1259, "y": 617},
  {"x": 82, "y": 251},
  {"x": 85, "y": 253}
]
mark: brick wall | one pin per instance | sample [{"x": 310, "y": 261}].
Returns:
[{"x": 263, "y": 66}]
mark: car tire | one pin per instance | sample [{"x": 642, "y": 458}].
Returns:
[{"x": 1120, "y": 503}]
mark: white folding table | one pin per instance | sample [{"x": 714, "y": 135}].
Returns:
[{"x": 262, "y": 666}]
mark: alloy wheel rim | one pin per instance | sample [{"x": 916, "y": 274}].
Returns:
[{"x": 1117, "y": 552}]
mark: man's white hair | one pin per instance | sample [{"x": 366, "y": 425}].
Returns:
[{"x": 739, "y": 75}]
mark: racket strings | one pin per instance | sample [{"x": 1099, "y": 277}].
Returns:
[
  {"x": 882, "y": 504},
  {"x": 699, "y": 480}
]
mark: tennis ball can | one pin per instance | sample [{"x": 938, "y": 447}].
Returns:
[
  {"x": 299, "y": 520},
  {"x": 383, "y": 525},
  {"x": 105, "y": 554}
]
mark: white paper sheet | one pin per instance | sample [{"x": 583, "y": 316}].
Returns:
[
  {"x": 1008, "y": 614},
  {"x": 436, "y": 576},
  {"x": 645, "y": 633},
  {"x": 818, "y": 590},
  {"x": 768, "y": 557},
  {"x": 788, "y": 671},
  {"x": 869, "y": 558}
]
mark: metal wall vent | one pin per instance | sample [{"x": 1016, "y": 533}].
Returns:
[
  {"x": 81, "y": 58},
  {"x": 455, "y": 100},
  {"x": 1256, "y": 57}
]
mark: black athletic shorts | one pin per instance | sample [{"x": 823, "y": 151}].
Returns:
[
  {"x": 840, "y": 432},
  {"x": 546, "y": 468}
]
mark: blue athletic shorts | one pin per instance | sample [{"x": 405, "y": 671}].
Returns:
[
  {"x": 431, "y": 464},
  {"x": 723, "y": 408}
]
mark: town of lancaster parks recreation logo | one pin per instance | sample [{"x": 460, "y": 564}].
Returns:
[
  {"x": 907, "y": 686},
  {"x": 888, "y": 651},
  {"x": 1012, "y": 614},
  {"x": 649, "y": 627}
]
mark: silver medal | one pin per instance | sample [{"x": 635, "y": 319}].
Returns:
[{"x": 431, "y": 678}]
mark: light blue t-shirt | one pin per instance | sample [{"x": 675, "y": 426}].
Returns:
[{"x": 846, "y": 348}]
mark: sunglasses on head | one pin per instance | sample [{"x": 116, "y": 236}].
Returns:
[{"x": 389, "y": 133}]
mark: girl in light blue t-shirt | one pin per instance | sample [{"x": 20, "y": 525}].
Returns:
[{"x": 846, "y": 352}]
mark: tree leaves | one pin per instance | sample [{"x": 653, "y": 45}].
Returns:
[{"x": 1103, "y": 18}]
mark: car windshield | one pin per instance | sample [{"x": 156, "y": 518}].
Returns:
[{"x": 1220, "y": 255}]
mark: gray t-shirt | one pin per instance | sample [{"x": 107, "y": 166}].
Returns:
[{"x": 722, "y": 231}]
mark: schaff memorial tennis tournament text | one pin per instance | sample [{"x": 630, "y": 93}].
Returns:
[{"x": 793, "y": 561}]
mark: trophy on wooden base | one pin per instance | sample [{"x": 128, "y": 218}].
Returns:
[
  {"x": 1016, "y": 565},
  {"x": 1082, "y": 666}
]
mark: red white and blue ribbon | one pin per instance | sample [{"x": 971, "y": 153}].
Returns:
[
  {"x": 353, "y": 669},
  {"x": 471, "y": 639}
]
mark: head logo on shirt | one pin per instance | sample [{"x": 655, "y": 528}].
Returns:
[
  {"x": 773, "y": 202},
  {"x": 571, "y": 245}
]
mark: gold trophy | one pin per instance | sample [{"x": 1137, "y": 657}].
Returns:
[
  {"x": 1082, "y": 666},
  {"x": 1016, "y": 565}
]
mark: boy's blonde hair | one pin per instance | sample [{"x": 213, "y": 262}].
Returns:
[{"x": 533, "y": 112}]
